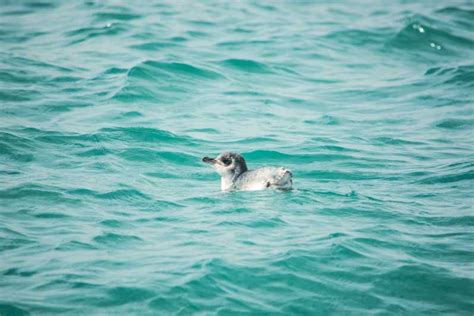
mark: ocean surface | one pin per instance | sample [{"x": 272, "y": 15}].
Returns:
[{"x": 107, "y": 107}]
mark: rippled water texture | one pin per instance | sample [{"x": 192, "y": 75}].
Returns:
[{"x": 106, "y": 108}]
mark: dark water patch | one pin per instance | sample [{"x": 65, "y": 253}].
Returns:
[
  {"x": 57, "y": 137},
  {"x": 163, "y": 219},
  {"x": 10, "y": 172},
  {"x": 258, "y": 223},
  {"x": 436, "y": 101},
  {"x": 131, "y": 114},
  {"x": 424, "y": 37},
  {"x": 49, "y": 215},
  {"x": 108, "y": 16},
  {"x": 125, "y": 295},
  {"x": 19, "y": 272},
  {"x": 75, "y": 245},
  {"x": 449, "y": 177},
  {"x": 29, "y": 191},
  {"x": 86, "y": 33},
  {"x": 19, "y": 95},
  {"x": 447, "y": 293},
  {"x": 203, "y": 130},
  {"x": 17, "y": 37},
  {"x": 201, "y": 23},
  {"x": 121, "y": 195},
  {"x": 12, "y": 310},
  {"x": 17, "y": 12},
  {"x": 16, "y": 148},
  {"x": 154, "y": 70},
  {"x": 379, "y": 212},
  {"x": 14, "y": 243},
  {"x": 338, "y": 148},
  {"x": 133, "y": 94},
  {"x": 64, "y": 79},
  {"x": 248, "y": 93},
  {"x": 449, "y": 221},
  {"x": 337, "y": 175},
  {"x": 203, "y": 286},
  {"x": 248, "y": 141},
  {"x": 386, "y": 140},
  {"x": 459, "y": 165},
  {"x": 20, "y": 62},
  {"x": 160, "y": 175},
  {"x": 297, "y": 259},
  {"x": 84, "y": 285},
  {"x": 96, "y": 152},
  {"x": 67, "y": 105},
  {"x": 39, "y": 5},
  {"x": 144, "y": 134},
  {"x": 239, "y": 44},
  {"x": 113, "y": 223},
  {"x": 115, "y": 240},
  {"x": 459, "y": 76},
  {"x": 158, "y": 205},
  {"x": 153, "y": 46},
  {"x": 341, "y": 250},
  {"x": 273, "y": 156},
  {"x": 115, "y": 71},
  {"x": 196, "y": 34},
  {"x": 325, "y": 120},
  {"x": 153, "y": 156},
  {"x": 359, "y": 38},
  {"x": 240, "y": 210},
  {"x": 455, "y": 124},
  {"x": 19, "y": 76},
  {"x": 246, "y": 65},
  {"x": 460, "y": 16}
]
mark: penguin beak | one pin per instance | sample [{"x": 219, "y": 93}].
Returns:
[{"x": 209, "y": 160}]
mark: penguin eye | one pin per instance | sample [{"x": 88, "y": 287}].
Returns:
[{"x": 226, "y": 161}]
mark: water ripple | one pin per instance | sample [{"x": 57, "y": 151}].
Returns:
[{"x": 108, "y": 108}]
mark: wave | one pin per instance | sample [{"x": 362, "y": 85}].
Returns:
[
  {"x": 144, "y": 134},
  {"x": 338, "y": 175},
  {"x": 86, "y": 33},
  {"x": 451, "y": 289},
  {"x": 462, "y": 17},
  {"x": 116, "y": 239},
  {"x": 161, "y": 70},
  {"x": 16, "y": 148},
  {"x": 164, "y": 81},
  {"x": 246, "y": 65},
  {"x": 272, "y": 156},
  {"x": 462, "y": 76},
  {"x": 428, "y": 37},
  {"x": 119, "y": 16},
  {"x": 355, "y": 37},
  {"x": 12, "y": 309},
  {"x": 150, "y": 155},
  {"x": 75, "y": 245},
  {"x": 449, "y": 177},
  {"x": 32, "y": 190},
  {"x": 19, "y": 95},
  {"x": 153, "y": 46},
  {"x": 455, "y": 124},
  {"x": 12, "y": 243},
  {"x": 108, "y": 107},
  {"x": 120, "y": 195}
]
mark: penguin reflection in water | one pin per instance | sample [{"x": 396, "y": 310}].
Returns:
[{"x": 235, "y": 175}]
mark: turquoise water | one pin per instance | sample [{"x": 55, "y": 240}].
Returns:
[{"x": 107, "y": 108}]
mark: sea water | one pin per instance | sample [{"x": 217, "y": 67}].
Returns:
[{"x": 107, "y": 107}]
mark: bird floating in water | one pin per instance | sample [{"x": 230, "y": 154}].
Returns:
[{"x": 235, "y": 175}]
